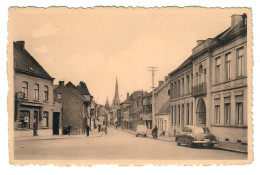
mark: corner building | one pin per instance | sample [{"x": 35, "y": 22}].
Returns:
[{"x": 210, "y": 87}]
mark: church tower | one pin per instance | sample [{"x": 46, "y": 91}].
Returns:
[
  {"x": 116, "y": 100},
  {"x": 115, "y": 104}
]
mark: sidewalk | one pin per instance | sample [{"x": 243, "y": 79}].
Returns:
[
  {"x": 92, "y": 134},
  {"x": 221, "y": 145}
]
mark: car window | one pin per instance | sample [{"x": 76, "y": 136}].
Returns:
[
  {"x": 200, "y": 130},
  {"x": 186, "y": 129}
]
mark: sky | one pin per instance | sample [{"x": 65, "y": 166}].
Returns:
[{"x": 101, "y": 44}]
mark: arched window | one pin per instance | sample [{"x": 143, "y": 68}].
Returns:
[{"x": 46, "y": 93}]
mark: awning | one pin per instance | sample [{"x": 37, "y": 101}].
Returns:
[{"x": 31, "y": 104}]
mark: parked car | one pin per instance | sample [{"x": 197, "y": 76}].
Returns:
[
  {"x": 141, "y": 130},
  {"x": 196, "y": 136}
]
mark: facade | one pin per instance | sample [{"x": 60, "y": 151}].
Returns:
[
  {"x": 210, "y": 87},
  {"x": 76, "y": 102},
  {"x": 34, "y": 103},
  {"x": 136, "y": 108},
  {"x": 161, "y": 104},
  {"x": 125, "y": 111},
  {"x": 115, "y": 104}
]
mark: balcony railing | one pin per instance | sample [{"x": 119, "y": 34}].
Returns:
[{"x": 200, "y": 89}]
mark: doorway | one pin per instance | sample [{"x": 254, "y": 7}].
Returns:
[
  {"x": 56, "y": 119},
  {"x": 201, "y": 112}
]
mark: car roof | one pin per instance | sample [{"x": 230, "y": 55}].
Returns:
[{"x": 193, "y": 126}]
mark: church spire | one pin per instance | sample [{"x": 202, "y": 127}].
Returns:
[{"x": 116, "y": 100}]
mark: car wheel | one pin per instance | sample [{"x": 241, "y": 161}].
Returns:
[
  {"x": 178, "y": 142},
  {"x": 136, "y": 135},
  {"x": 190, "y": 145},
  {"x": 144, "y": 135},
  {"x": 211, "y": 145}
]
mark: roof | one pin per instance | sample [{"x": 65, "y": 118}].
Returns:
[
  {"x": 165, "y": 109},
  {"x": 25, "y": 63}
]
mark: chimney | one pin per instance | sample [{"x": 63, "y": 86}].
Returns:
[
  {"x": 127, "y": 95},
  {"x": 19, "y": 44},
  {"x": 199, "y": 42},
  {"x": 61, "y": 83},
  {"x": 160, "y": 83},
  {"x": 235, "y": 19},
  {"x": 166, "y": 78}
]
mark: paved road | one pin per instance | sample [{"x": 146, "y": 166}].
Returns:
[{"x": 116, "y": 145}]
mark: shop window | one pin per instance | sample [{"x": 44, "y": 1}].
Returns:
[
  {"x": 45, "y": 119},
  {"x": 25, "y": 89},
  {"x": 24, "y": 120}
]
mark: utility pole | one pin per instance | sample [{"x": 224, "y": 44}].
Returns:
[{"x": 153, "y": 70}]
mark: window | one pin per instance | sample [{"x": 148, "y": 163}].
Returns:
[
  {"x": 172, "y": 115},
  {"x": 24, "y": 119},
  {"x": 46, "y": 93},
  {"x": 59, "y": 96},
  {"x": 179, "y": 114},
  {"x": 240, "y": 55},
  {"x": 227, "y": 113},
  {"x": 217, "y": 114},
  {"x": 36, "y": 91},
  {"x": 25, "y": 89},
  {"x": 228, "y": 65},
  {"x": 179, "y": 88},
  {"x": 188, "y": 114},
  {"x": 175, "y": 115},
  {"x": 205, "y": 75},
  {"x": 188, "y": 84},
  {"x": 45, "y": 119},
  {"x": 182, "y": 87},
  {"x": 191, "y": 114},
  {"x": 217, "y": 70},
  {"x": 239, "y": 113}
]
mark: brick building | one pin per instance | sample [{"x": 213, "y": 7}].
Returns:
[
  {"x": 33, "y": 89},
  {"x": 75, "y": 102}
]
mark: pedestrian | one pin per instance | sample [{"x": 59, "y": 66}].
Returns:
[
  {"x": 155, "y": 132},
  {"x": 116, "y": 125},
  {"x": 87, "y": 130},
  {"x": 99, "y": 127},
  {"x": 34, "y": 128},
  {"x": 105, "y": 129},
  {"x": 69, "y": 129}
]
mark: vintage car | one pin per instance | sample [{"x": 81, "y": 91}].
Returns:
[
  {"x": 141, "y": 130},
  {"x": 196, "y": 136}
]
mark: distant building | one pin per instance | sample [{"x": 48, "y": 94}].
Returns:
[
  {"x": 210, "y": 87},
  {"x": 161, "y": 104},
  {"x": 33, "y": 90},
  {"x": 115, "y": 104},
  {"x": 76, "y": 102},
  {"x": 136, "y": 108},
  {"x": 125, "y": 110}
]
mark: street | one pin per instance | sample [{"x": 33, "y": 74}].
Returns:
[{"x": 117, "y": 144}]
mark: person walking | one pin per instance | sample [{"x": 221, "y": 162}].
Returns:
[
  {"x": 87, "y": 130},
  {"x": 69, "y": 129},
  {"x": 155, "y": 132}
]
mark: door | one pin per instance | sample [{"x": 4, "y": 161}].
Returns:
[{"x": 56, "y": 119}]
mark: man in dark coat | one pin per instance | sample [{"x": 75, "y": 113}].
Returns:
[
  {"x": 69, "y": 129},
  {"x": 87, "y": 130},
  {"x": 155, "y": 132}
]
